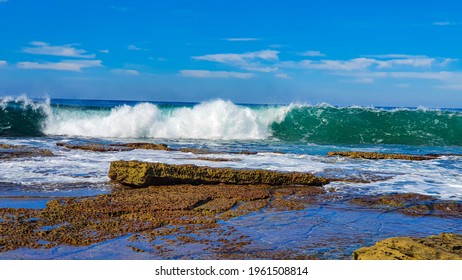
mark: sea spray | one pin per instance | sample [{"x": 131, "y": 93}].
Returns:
[
  {"x": 224, "y": 120},
  {"x": 209, "y": 120}
]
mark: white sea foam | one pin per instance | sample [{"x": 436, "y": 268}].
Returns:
[{"x": 209, "y": 120}]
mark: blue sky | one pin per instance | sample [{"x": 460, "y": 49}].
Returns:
[{"x": 390, "y": 53}]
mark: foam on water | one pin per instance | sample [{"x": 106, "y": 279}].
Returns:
[
  {"x": 304, "y": 132},
  {"x": 440, "y": 177},
  {"x": 209, "y": 120}
]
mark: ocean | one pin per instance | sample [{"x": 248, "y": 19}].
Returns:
[{"x": 294, "y": 137}]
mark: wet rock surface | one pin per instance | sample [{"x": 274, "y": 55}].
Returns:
[
  {"x": 411, "y": 204},
  {"x": 208, "y": 222},
  {"x": 141, "y": 174},
  {"x": 19, "y": 151},
  {"x": 149, "y": 213},
  {"x": 215, "y": 159},
  {"x": 442, "y": 247},
  {"x": 373, "y": 155},
  {"x": 97, "y": 147},
  {"x": 210, "y": 152},
  {"x": 118, "y": 147}
]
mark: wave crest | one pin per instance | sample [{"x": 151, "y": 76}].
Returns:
[{"x": 209, "y": 120}]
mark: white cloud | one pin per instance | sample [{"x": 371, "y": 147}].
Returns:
[
  {"x": 278, "y": 46},
  {"x": 161, "y": 59},
  {"x": 443, "y": 23},
  {"x": 413, "y": 62},
  {"x": 441, "y": 75},
  {"x": 261, "y": 69},
  {"x": 312, "y": 53},
  {"x": 135, "y": 48},
  {"x": 43, "y": 48},
  {"x": 259, "y": 61},
  {"x": 364, "y": 80},
  {"x": 240, "y": 39},
  {"x": 242, "y": 58},
  {"x": 452, "y": 87},
  {"x": 125, "y": 72},
  {"x": 104, "y": 51},
  {"x": 364, "y": 63},
  {"x": 282, "y": 76},
  {"x": 65, "y": 65},
  {"x": 332, "y": 65},
  {"x": 215, "y": 74},
  {"x": 396, "y": 55},
  {"x": 3, "y": 63},
  {"x": 3, "y": 1},
  {"x": 447, "y": 61}
]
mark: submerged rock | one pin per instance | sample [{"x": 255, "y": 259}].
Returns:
[
  {"x": 16, "y": 151},
  {"x": 94, "y": 147},
  {"x": 84, "y": 221},
  {"x": 373, "y": 155},
  {"x": 197, "y": 151},
  {"x": 97, "y": 147},
  {"x": 442, "y": 247},
  {"x": 142, "y": 174},
  {"x": 215, "y": 159},
  {"x": 144, "y": 146},
  {"x": 411, "y": 204},
  {"x": 210, "y": 152}
]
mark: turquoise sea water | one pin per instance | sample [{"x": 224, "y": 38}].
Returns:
[{"x": 294, "y": 137}]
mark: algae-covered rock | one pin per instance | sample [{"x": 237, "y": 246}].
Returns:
[
  {"x": 144, "y": 146},
  {"x": 94, "y": 147},
  {"x": 16, "y": 151},
  {"x": 411, "y": 204},
  {"x": 142, "y": 174},
  {"x": 215, "y": 159},
  {"x": 373, "y": 155},
  {"x": 442, "y": 247},
  {"x": 97, "y": 147},
  {"x": 209, "y": 152}
]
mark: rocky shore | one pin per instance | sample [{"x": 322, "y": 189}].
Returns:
[{"x": 161, "y": 208}]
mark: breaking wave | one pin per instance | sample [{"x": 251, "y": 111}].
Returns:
[{"x": 219, "y": 119}]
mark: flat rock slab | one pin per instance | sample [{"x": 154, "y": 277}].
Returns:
[
  {"x": 442, "y": 247},
  {"x": 373, "y": 155},
  {"x": 411, "y": 204},
  {"x": 19, "y": 151},
  {"x": 142, "y": 174},
  {"x": 97, "y": 147}
]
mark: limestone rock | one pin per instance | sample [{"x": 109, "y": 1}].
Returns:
[
  {"x": 142, "y": 174},
  {"x": 442, "y": 247},
  {"x": 372, "y": 155},
  {"x": 15, "y": 151},
  {"x": 97, "y": 147}
]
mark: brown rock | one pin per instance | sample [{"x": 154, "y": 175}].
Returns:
[
  {"x": 142, "y": 174},
  {"x": 372, "y": 155},
  {"x": 96, "y": 147},
  {"x": 214, "y": 159},
  {"x": 16, "y": 151},
  {"x": 411, "y": 204},
  {"x": 442, "y": 247},
  {"x": 144, "y": 146}
]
